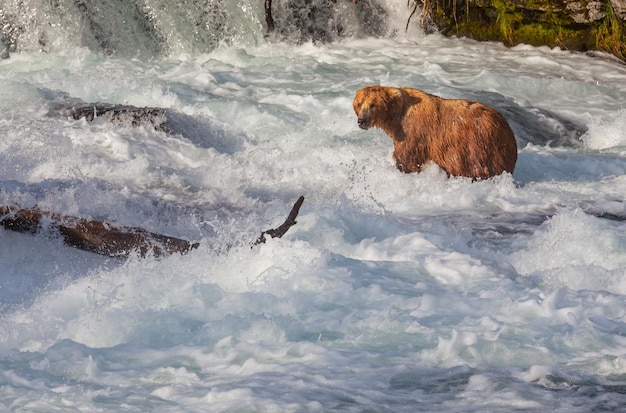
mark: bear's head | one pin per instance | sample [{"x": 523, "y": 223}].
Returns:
[{"x": 373, "y": 105}]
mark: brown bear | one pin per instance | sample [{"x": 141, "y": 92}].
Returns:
[{"x": 463, "y": 137}]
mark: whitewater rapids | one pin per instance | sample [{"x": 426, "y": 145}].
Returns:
[{"x": 394, "y": 292}]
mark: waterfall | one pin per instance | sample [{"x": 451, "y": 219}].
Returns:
[{"x": 152, "y": 28}]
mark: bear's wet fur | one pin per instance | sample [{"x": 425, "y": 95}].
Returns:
[{"x": 463, "y": 137}]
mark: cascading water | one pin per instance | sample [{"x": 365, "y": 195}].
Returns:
[
  {"x": 127, "y": 28},
  {"x": 152, "y": 28}
]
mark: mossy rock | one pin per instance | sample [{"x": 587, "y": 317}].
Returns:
[{"x": 573, "y": 25}]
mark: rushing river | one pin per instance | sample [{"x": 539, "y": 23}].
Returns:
[{"x": 393, "y": 292}]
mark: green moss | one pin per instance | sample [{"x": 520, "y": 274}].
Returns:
[
  {"x": 610, "y": 35},
  {"x": 536, "y": 22},
  {"x": 507, "y": 21}
]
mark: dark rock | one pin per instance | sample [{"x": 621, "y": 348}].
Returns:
[
  {"x": 4, "y": 48},
  {"x": 200, "y": 131},
  {"x": 123, "y": 115}
]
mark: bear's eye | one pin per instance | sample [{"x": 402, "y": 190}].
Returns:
[{"x": 372, "y": 105}]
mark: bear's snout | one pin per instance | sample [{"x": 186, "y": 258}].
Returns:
[
  {"x": 364, "y": 118},
  {"x": 364, "y": 122}
]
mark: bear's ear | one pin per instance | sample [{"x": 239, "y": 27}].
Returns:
[{"x": 395, "y": 92}]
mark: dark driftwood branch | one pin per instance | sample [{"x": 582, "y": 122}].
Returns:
[
  {"x": 108, "y": 239},
  {"x": 93, "y": 236},
  {"x": 289, "y": 222}
]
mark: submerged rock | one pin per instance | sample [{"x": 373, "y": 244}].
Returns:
[
  {"x": 123, "y": 115},
  {"x": 4, "y": 47},
  {"x": 200, "y": 131}
]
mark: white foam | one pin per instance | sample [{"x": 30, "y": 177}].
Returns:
[
  {"x": 577, "y": 250},
  {"x": 607, "y": 134}
]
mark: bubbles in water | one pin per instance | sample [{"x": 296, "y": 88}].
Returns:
[
  {"x": 577, "y": 250},
  {"x": 607, "y": 134}
]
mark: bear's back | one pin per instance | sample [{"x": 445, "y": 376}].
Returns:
[{"x": 464, "y": 137}]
